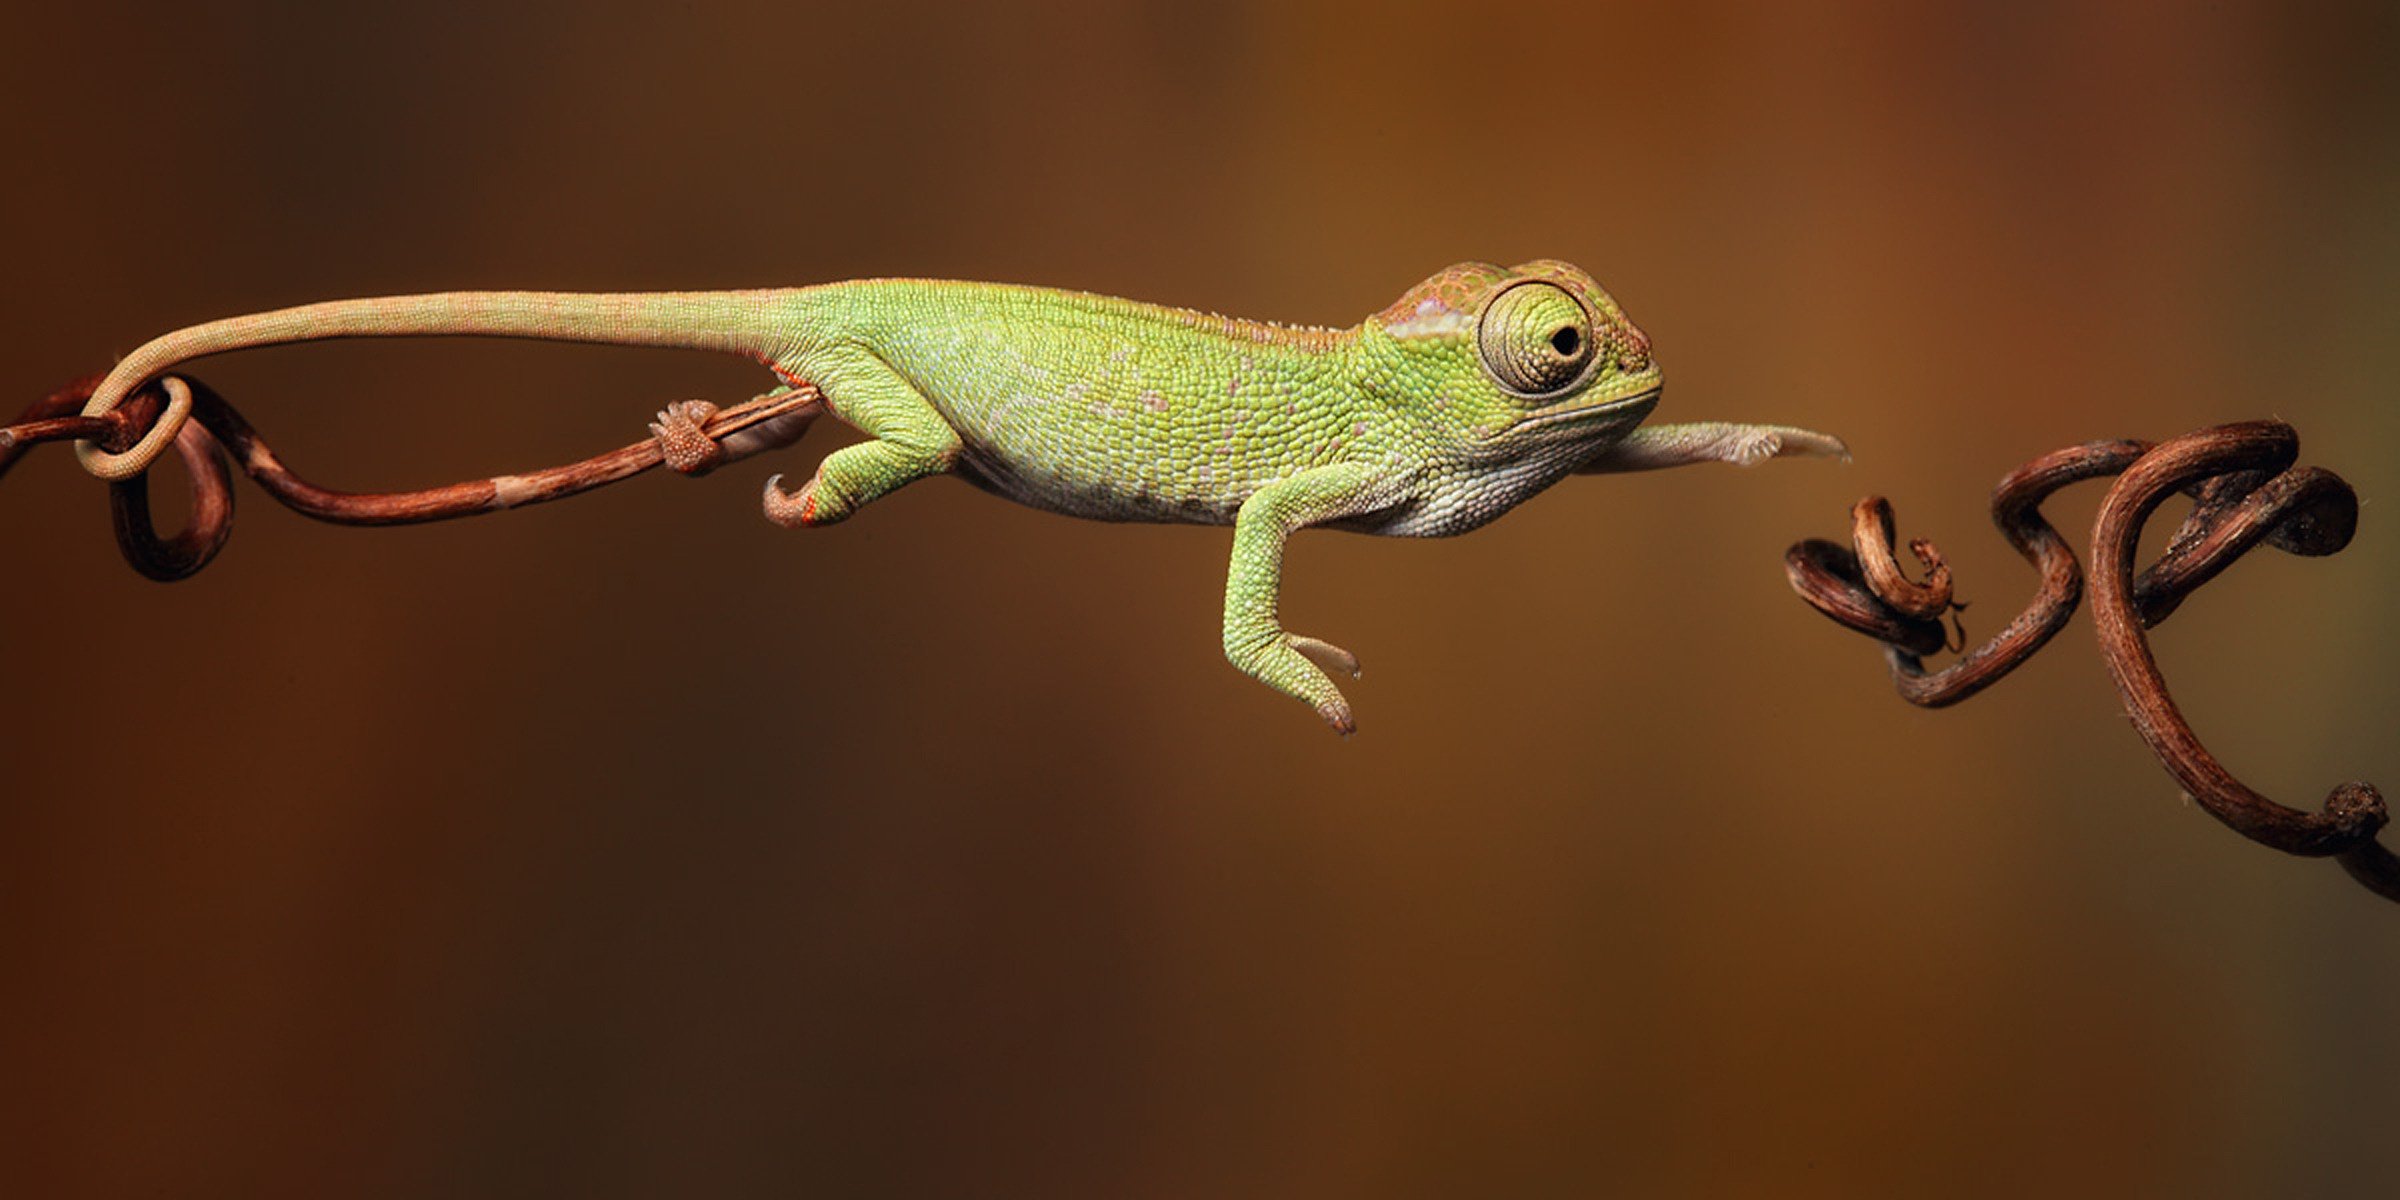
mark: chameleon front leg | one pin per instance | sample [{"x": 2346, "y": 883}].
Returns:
[
  {"x": 1255, "y": 639},
  {"x": 1655, "y": 446},
  {"x": 907, "y": 441}
]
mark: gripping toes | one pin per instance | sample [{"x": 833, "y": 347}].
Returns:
[
  {"x": 1322, "y": 659},
  {"x": 788, "y": 509},
  {"x": 680, "y": 440},
  {"x": 1783, "y": 441},
  {"x": 1298, "y": 667},
  {"x": 1331, "y": 658}
]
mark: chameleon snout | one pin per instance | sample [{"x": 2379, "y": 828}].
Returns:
[{"x": 1631, "y": 347}]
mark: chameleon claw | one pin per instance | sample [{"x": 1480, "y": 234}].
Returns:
[
  {"x": 1332, "y": 658},
  {"x": 800, "y": 509},
  {"x": 791, "y": 510},
  {"x": 680, "y": 441}
]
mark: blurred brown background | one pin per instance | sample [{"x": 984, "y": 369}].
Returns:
[{"x": 632, "y": 846}]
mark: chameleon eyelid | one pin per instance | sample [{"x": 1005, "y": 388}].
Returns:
[{"x": 1591, "y": 326}]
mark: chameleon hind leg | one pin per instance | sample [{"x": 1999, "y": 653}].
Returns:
[
  {"x": 907, "y": 441},
  {"x": 1255, "y": 639}
]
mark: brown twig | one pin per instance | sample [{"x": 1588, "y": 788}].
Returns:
[
  {"x": 169, "y": 559},
  {"x": 2245, "y": 491},
  {"x": 1871, "y": 531},
  {"x": 216, "y": 428},
  {"x": 57, "y": 418}
]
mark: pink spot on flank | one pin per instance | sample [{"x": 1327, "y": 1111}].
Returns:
[
  {"x": 1154, "y": 402},
  {"x": 1359, "y": 430}
]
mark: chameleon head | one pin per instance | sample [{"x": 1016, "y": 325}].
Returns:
[{"x": 1506, "y": 362}]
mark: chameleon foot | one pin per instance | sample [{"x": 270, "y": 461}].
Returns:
[
  {"x": 680, "y": 441},
  {"x": 1779, "y": 441},
  {"x": 1328, "y": 700},
  {"x": 792, "y": 510},
  {"x": 1300, "y": 667},
  {"x": 815, "y": 504}
]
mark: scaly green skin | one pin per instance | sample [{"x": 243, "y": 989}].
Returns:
[{"x": 1476, "y": 389}]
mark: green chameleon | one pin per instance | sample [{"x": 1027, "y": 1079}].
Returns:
[{"x": 1471, "y": 392}]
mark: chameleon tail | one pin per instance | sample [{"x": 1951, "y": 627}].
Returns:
[{"x": 736, "y": 322}]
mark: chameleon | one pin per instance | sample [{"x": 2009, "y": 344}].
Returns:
[{"x": 1476, "y": 389}]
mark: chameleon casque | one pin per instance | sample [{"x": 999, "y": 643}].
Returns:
[{"x": 1474, "y": 390}]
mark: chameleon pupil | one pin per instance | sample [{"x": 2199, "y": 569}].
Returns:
[{"x": 1565, "y": 341}]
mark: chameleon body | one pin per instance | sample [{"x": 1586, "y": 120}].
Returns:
[{"x": 1474, "y": 390}]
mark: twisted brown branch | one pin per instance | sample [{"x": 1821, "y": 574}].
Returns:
[
  {"x": 217, "y": 427},
  {"x": 2245, "y": 491}
]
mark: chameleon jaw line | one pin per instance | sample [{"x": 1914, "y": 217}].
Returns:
[{"x": 1646, "y": 398}]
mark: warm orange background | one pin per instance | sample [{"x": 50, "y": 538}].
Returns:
[{"x": 633, "y": 846}]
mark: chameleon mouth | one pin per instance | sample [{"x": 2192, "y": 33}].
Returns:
[{"x": 1637, "y": 403}]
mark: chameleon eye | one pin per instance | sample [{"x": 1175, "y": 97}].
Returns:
[{"x": 1536, "y": 339}]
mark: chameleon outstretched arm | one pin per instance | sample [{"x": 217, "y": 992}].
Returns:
[
  {"x": 1476, "y": 389},
  {"x": 1656, "y": 446}
]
